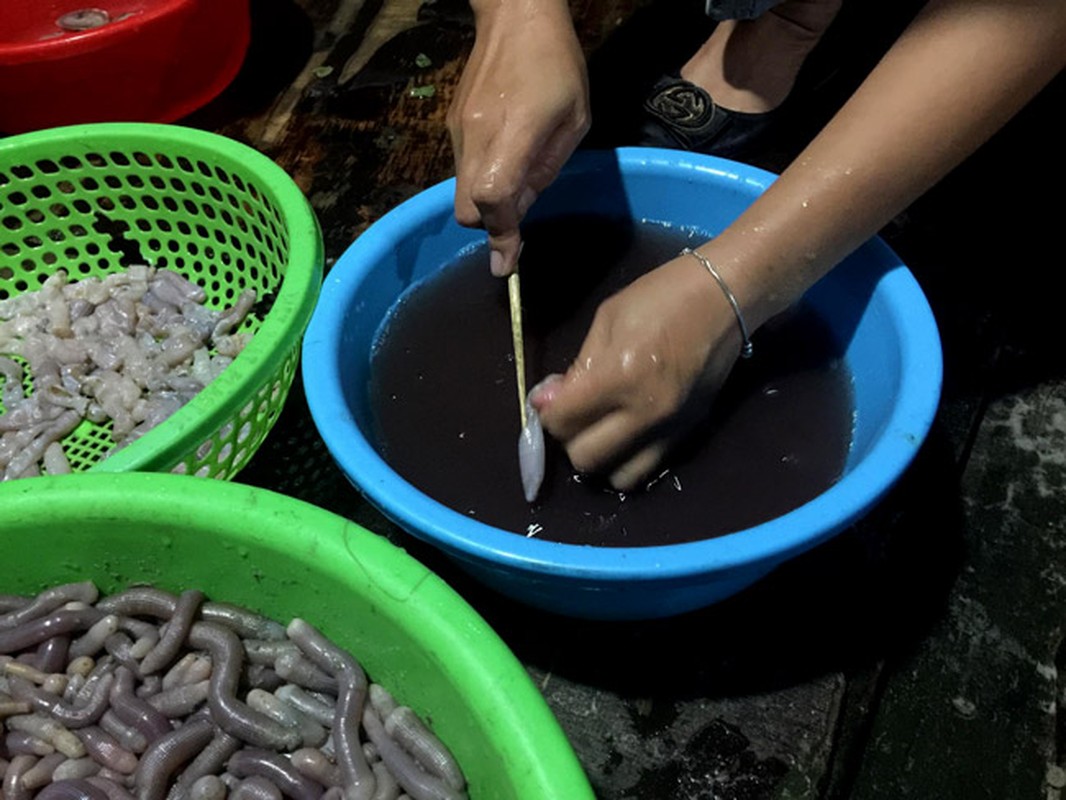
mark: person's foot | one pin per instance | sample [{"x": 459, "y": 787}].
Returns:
[
  {"x": 728, "y": 97},
  {"x": 682, "y": 115}
]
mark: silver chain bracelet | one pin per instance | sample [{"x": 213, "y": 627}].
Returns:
[{"x": 745, "y": 349}]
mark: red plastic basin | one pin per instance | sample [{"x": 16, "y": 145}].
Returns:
[{"x": 71, "y": 61}]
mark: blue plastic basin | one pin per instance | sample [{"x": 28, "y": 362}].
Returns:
[{"x": 871, "y": 301}]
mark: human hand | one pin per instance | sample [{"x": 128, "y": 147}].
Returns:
[
  {"x": 654, "y": 358},
  {"x": 520, "y": 110}
]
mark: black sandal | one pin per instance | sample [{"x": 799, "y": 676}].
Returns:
[{"x": 682, "y": 115}]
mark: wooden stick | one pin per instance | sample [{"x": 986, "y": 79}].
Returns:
[{"x": 514, "y": 292}]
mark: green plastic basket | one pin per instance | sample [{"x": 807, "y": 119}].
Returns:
[
  {"x": 84, "y": 197},
  {"x": 285, "y": 558}
]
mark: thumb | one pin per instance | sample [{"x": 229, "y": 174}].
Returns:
[{"x": 570, "y": 403}]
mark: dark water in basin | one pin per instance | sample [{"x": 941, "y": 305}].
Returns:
[{"x": 446, "y": 410}]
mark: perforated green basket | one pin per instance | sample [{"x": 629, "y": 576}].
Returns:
[{"x": 91, "y": 198}]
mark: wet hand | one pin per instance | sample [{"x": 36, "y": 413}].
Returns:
[
  {"x": 520, "y": 110},
  {"x": 653, "y": 359}
]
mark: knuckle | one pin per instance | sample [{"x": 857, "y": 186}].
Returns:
[
  {"x": 491, "y": 192},
  {"x": 468, "y": 217}
]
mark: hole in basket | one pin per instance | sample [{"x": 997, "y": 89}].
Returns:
[
  {"x": 47, "y": 166},
  {"x": 117, "y": 242},
  {"x": 18, "y": 198}
]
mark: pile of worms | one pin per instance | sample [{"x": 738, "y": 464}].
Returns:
[
  {"x": 158, "y": 696},
  {"x": 126, "y": 350}
]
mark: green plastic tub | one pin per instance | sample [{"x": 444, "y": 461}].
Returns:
[{"x": 286, "y": 558}]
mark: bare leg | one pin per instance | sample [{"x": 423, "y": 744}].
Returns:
[{"x": 751, "y": 65}]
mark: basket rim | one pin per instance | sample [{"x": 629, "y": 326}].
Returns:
[{"x": 282, "y": 328}]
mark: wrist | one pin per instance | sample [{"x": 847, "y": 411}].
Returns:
[
  {"x": 731, "y": 299},
  {"x": 486, "y": 11}
]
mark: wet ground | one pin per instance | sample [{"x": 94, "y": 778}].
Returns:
[{"x": 917, "y": 654}]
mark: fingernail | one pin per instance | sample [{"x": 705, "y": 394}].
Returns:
[
  {"x": 496, "y": 264},
  {"x": 544, "y": 392}
]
